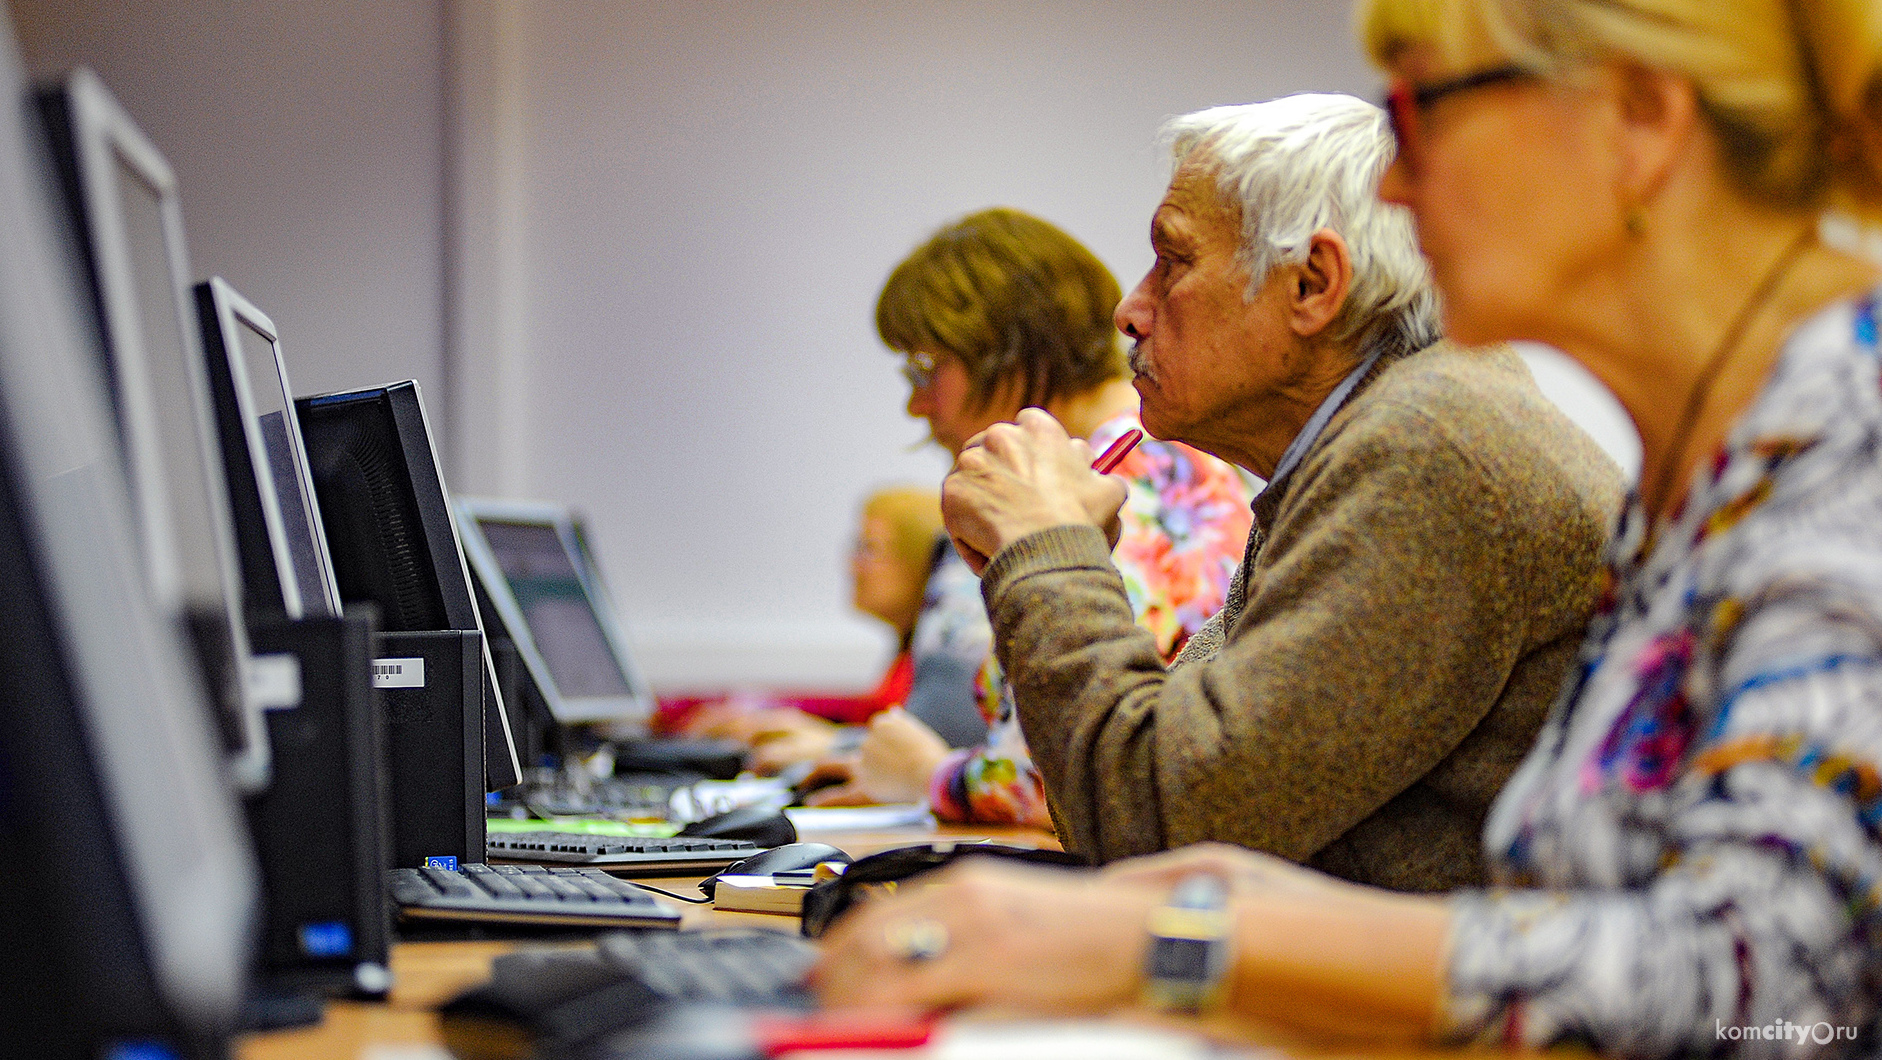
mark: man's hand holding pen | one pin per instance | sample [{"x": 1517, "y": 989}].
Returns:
[{"x": 1018, "y": 478}]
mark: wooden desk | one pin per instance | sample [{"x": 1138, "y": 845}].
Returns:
[{"x": 427, "y": 974}]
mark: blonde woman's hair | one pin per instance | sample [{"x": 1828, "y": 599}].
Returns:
[
  {"x": 913, "y": 514},
  {"x": 1789, "y": 86}
]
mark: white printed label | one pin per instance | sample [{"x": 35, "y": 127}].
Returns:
[
  {"x": 274, "y": 681},
  {"x": 398, "y": 673}
]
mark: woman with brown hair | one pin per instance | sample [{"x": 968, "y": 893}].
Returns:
[
  {"x": 1673, "y": 192},
  {"x": 995, "y": 312}
]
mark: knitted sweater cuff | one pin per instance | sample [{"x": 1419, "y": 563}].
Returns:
[{"x": 1061, "y": 547}]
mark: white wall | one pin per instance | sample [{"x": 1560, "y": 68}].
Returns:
[
  {"x": 308, "y": 145},
  {"x": 631, "y": 249},
  {"x": 714, "y": 193}
]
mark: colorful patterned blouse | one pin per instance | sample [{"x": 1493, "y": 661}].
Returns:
[
  {"x": 1696, "y": 829},
  {"x": 1185, "y": 523}
]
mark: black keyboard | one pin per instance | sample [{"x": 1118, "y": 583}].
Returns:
[
  {"x": 526, "y": 894},
  {"x": 631, "y": 994},
  {"x": 678, "y": 855},
  {"x": 745, "y": 967}
]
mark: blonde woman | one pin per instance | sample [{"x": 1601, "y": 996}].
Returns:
[{"x": 1668, "y": 190}]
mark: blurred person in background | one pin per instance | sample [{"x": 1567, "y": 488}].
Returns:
[{"x": 899, "y": 544}]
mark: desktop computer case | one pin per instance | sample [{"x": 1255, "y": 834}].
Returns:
[
  {"x": 432, "y": 696},
  {"x": 321, "y": 827}
]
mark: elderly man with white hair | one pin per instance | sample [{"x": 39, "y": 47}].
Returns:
[{"x": 1424, "y": 556}]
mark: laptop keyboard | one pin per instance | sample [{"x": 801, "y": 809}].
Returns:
[{"x": 526, "y": 894}]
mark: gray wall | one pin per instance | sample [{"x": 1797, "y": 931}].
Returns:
[
  {"x": 631, "y": 249},
  {"x": 715, "y": 191},
  {"x": 307, "y": 139}
]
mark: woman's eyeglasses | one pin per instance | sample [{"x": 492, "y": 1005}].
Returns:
[
  {"x": 1406, "y": 102},
  {"x": 918, "y": 369}
]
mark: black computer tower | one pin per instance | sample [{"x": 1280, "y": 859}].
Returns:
[
  {"x": 321, "y": 828},
  {"x": 432, "y": 698}
]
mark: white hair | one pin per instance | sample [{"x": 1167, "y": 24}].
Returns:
[{"x": 1297, "y": 164}]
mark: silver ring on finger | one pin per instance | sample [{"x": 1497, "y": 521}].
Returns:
[{"x": 916, "y": 941}]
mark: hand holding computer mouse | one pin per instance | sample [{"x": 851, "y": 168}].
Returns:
[{"x": 893, "y": 764}]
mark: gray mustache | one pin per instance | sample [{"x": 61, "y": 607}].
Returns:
[{"x": 1139, "y": 364}]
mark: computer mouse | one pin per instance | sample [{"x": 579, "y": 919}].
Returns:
[
  {"x": 778, "y": 859},
  {"x": 762, "y": 825}
]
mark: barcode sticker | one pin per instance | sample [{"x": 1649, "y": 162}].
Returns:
[{"x": 398, "y": 673}]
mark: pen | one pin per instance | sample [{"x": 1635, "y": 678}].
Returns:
[{"x": 1118, "y": 451}]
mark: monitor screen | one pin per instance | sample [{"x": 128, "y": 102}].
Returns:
[
  {"x": 134, "y": 895},
  {"x": 391, "y": 531},
  {"x": 286, "y": 569},
  {"x": 125, "y": 194},
  {"x": 557, "y": 609},
  {"x": 532, "y": 559}
]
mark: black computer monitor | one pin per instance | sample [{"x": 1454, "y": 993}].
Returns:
[
  {"x": 533, "y": 560},
  {"x": 123, "y": 195},
  {"x": 285, "y": 566},
  {"x": 391, "y": 531},
  {"x": 132, "y": 895}
]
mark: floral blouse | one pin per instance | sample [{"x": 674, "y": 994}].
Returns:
[
  {"x": 1696, "y": 831},
  {"x": 1185, "y": 525}
]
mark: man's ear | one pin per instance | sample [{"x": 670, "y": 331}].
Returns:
[{"x": 1320, "y": 284}]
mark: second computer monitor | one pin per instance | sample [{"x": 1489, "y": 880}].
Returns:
[
  {"x": 285, "y": 565},
  {"x": 534, "y": 561}
]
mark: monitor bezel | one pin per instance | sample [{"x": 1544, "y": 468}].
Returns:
[
  {"x": 101, "y": 132},
  {"x": 227, "y": 311},
  {"x": 633, "y": 709}
]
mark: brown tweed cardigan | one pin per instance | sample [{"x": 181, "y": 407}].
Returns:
[{"x": 1415, "y": 592}]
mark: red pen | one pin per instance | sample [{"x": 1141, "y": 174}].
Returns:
[{"x": 1118, "y": 451}]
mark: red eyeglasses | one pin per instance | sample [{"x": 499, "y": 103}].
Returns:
[{"x": 1406, "y": 101}]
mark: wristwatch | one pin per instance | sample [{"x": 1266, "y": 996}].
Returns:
[{"x": 1189, "y": 946}]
